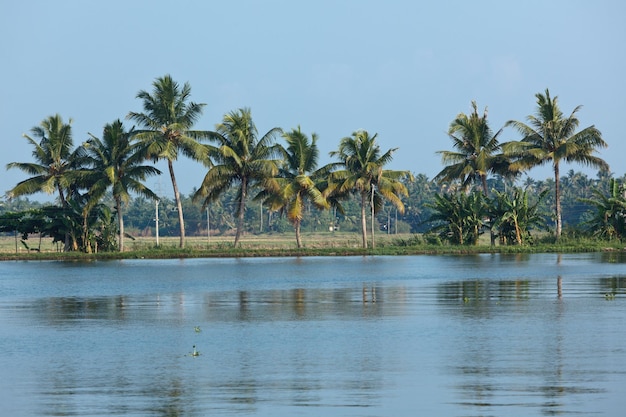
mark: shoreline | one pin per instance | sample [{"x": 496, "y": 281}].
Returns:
[{"x": 175, "y": 253}]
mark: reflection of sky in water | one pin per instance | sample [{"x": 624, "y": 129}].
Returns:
[{"x": 423, "y": 335}]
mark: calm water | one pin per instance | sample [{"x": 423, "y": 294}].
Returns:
[{"x": 485, "y": 335}]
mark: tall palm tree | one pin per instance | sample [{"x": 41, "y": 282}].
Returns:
[
  {"x": 477, "y": 151},
  {"x": 167, "y": 121},
  {"x": 57, "y": 167},
  {"x": 362, "y": 173},
  {"x": 116, "y": 162},
  {"x": 551, "y": 137},
  {"x": 298, "y": 179},
  {"x": 55, "y": 160},
  {"x": 240, "y": 158}
]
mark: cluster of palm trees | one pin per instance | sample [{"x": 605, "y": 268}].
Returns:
[
  {"x": 287, "y": 179},
  {"x": 460, "y": 218},
  {"x": 283, "y": 178},
  {"x": 609, "y": 220},
  {"x": 548, "y": 138}
]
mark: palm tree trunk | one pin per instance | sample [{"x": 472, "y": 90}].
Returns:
[
  {"x": 120, "y": 222},
  {"x": 296, "y": 226},
  {"x": 179, "y": 205},
  {"x": 363, "y": 219},
  {"x": 483, "y": 182},
  {"x": 66, "y": 245},
  {"x": 240, "y": 212},
  {"x": 557, "y": 200},
  {"x": 518, "y": 234},
  {"x": 86, "y": 242},
  {"x": 492, "y": 233}
]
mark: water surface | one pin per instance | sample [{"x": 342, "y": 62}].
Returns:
[{"x": 476, "y": 335}]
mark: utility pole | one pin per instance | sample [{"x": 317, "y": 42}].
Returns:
[
  {"x": 156, "y": 220},
  {"x": 372, "y": 204},
  {"x": 396, "y": 222}
]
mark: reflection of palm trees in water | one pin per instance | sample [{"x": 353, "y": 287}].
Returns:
[
  {"x": 554, "y": 387},
  {"x": 373, "y": 294},
  {"x": 559, "y": 280}
]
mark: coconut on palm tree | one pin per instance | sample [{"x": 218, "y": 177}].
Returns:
[
  {"x": 550, "y": 137},
  {"x": 361, "y": 172},
  {"x": 117, "y": 162},
  {"x": 166, "y": 123},
  {"x": 298, "y": 179},
  {"x": 240, "y": 158}
]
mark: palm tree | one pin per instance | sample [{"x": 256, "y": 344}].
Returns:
[
  {"x": 57, "y": 167},
  {"x": 551, "y": 137},
  {"x": 240, "y": 158},
  {"x": 117, "y": 163},
  {"x": 609, "y": 219},
  {"x": 477, "y": 151},
  {"x": 167, "y": 121},
  {"x": 298, "y": 179},
  {"x": 54, "y": 157},
  {"x": 363, "y": 174}
]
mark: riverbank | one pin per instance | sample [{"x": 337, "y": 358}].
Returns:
[{"x": 284, "y": 246}]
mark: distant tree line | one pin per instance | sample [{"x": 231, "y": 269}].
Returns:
[{"x": 255, "y": 184}]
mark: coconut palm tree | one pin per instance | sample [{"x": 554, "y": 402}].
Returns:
[
  {"x": 57, "y": 167},
  {"x": 55, "y": 160},
  {"x": 477, "y": 151},
  {"x": 298, "y": 179},
  {"x": 551, "y": 138},
  {"x": 240, "y": 158},
  {"x": 117, "y": 162},
  {"x": 166, "y": 129},
  {"x": 362, "y": 173}
]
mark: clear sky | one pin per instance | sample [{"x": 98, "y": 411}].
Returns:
[{"x": 402, "y": 69}]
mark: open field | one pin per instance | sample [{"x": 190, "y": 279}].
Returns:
[
  {"x": 315, "y": 244},
  {"x": 327, "y": 240}
]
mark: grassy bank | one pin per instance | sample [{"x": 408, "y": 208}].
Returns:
[{"x": 321, "y": 244}]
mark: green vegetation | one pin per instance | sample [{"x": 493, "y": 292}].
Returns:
[
  {"x": 477, "y": 152},
  {"x": 362, "y": 173},
  {"x": 346, "y": 244},
  {"x": 298, "y": 182},
  {"x": 117, "y": 164},
  {"x": 256, "y": 188},
  {"x": 242, "y": 159},
  {"x": 167, "y": 121},
  {"x": 550, "y": 137}
]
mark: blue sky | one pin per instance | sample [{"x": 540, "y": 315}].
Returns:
[{"x": 402, "y": 69}]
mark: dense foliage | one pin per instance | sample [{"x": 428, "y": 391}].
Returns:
[{"x": 256, "y": 185}]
